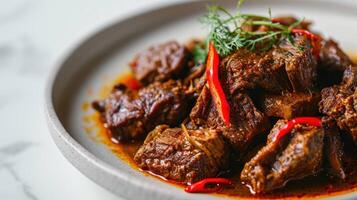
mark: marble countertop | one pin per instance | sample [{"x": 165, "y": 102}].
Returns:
[{"x": 34, "y": 33}]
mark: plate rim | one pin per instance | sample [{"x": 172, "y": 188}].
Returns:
[{"x": 59, "y": 134}]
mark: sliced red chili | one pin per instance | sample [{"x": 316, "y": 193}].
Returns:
[
  {"x": 315, "y": 40},
  {"x": 312, "y": 121},
  {"x": 132, "y": 83},
  {"x": 201, "y": 186},
  {"x": 212, "y": 75}
]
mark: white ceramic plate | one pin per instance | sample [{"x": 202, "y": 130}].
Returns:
[{"x": 106, "y": 53}]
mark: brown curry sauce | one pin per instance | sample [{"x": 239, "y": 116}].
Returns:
[{"x": 311, "y": 187}]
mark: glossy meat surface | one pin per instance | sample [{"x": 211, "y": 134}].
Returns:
[
  {"x": 188, "y": 158},
  {"x": 246, "y": 120},
  {"x": 160, "y": 63},
  {"x": 297, "y": 156},
  {"x": 131, "y": 115},
  {"x": 285, "y": 67},
  {"x": 334, "y": 152},
  {"x": 262, "y": 87},
  {"x": 340, "y": 102},
  {"x": 290, "y": 105}
]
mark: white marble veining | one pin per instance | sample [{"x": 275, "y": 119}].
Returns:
[{"x": 33, "y": 34}]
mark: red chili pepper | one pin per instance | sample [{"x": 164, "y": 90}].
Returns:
[
  {"x": 214, "y": 84},
  {"x": 200, "y": 186},
  {"x": 133, "y": 84},
  {"x": 129, "y": 81},
  {"x": 275, "y": 20},
  {"x": 312, "y": 121},
  {"x": 315, "y": 40}
]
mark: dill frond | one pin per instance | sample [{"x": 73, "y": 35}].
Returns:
[{"x": 227, "y": 32}]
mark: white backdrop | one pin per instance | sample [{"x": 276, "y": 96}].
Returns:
[{"x": 33, "y": 33}]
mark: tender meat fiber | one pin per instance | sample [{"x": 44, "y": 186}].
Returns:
[
  {"x": 160, "y": 63},
  {"x": 245, "y": 69},
  {"x": 285, "y": 67},
  {"x": 339, "y": 102},
  {"x": 294, "y": 157},
  {"x": 197, "y": 79},
  {"x": 246, "y": 121},
  {"x": 342, "y": 107},
  {"x": 333, "y": 149},
  {"x": 184, "y": 157},
  {"x": 290, "y": 105},
  {"x": 122, "y": 114},
  {"x": 131, "y": 115},
  {"x": 300, "y": 64}
]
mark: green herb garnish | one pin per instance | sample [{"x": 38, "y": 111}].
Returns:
[
  {"x": 199, "y": 53},
  {"x": 228, "y": 31}
]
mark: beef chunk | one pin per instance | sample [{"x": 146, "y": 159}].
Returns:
[
  {"x": 160, "y": 63},
  {"x": 332, "y": 58},
  {"x": 300, "y": 64},
  {"x": 202, "y": 108},
  {"x": 293, "y": 157},
  {"x": 285, "y": 67},
  {"x": 245, "y": 69},
  {"x": 197, "y": 79},
  {"x": 332, "y": 61},
  {"x": 246, "y": 121},
  {"x": 290, "y": 105},
  {"x": 130, "y": 115},
  {"x": 333, "y": 149},
  {"x": 342, "y": 107},
  {"x": 339, "y": 102},
  {"x": 122, "y": 114},
  {"x": 184, "y": 157}
]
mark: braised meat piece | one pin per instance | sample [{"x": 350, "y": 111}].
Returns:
[
  {"x": 246, "y": 121},
  {"x": 245, "y": 69},
  {"x": 300, "y": 64},
  {"x": 290, "y": 105},
  {"x": 285, "y": 67},
  {"x": 291, "y": 158},
  {"x": 333, "y": 149},
  {"x": 197, "y": 79},
  {"x": 160, "y": 63},
  {"x": 183, "y": 156},
  {"x": 131, "y": 115},
  {"x": 332, "y": 58},
  {"x": 122, "y": 114},
  {"x": 342, "y": 107},
  {"x": 332, "y": 61},
  {"x": 339, "y": 102},
  {"x": 202, "y": 108}
]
